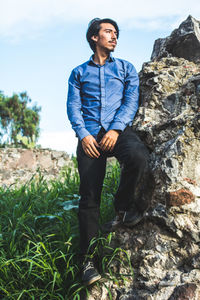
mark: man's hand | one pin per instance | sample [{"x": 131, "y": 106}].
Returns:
[
  {"x": 109, "y": 140},
  {"x": 90, "y": 146}
]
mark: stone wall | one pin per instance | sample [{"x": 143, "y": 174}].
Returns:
[{"x": 20, "y": 165}]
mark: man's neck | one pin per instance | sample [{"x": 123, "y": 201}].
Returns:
[{"x": 100, "y": 57}]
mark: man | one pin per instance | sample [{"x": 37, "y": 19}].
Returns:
[{"x": 102, "y": 102}]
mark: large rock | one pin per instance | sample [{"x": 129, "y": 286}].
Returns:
[
  {"x": 168, "y": 121},
  {"x": 183, "y": 42}
]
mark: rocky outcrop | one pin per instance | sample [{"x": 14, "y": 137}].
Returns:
[
  {"x": 18, "y": 165},
  {"x": 183, "y": 42},
  {"x": 164, "y": 247},
  {"x": 168, "y": 121}
]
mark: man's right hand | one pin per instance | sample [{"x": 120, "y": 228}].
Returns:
[{"x": 90, "y": 146}]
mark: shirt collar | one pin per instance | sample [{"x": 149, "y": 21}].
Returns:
[{"x": 109, "y": 59}]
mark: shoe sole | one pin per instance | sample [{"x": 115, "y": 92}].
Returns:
[
  {"x": 94, "y": 279},
  {"x": 133, "y": 223}
]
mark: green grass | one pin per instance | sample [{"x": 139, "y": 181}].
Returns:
[{"x": 39, "y": 238}]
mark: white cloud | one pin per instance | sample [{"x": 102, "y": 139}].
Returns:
[
  {"x": 27, "y": 17},
  {"x": 59, "y": 140}
]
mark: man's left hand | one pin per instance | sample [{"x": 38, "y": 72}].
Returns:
[{"x": 109, "y": 140}]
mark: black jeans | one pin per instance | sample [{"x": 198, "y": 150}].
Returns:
[{"x": 134, "y": 183}]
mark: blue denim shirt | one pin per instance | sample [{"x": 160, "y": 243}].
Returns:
[{"x": 102, "y": 96}]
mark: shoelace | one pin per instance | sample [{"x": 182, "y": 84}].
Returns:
[
  {"x": 88, "y": 266},
  {"x": 124, "y": 216}
]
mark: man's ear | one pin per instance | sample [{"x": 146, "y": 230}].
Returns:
[{"x": 94, "y": 38}]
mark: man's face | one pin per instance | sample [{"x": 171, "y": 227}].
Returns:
[{"x": 106, "y": 38}]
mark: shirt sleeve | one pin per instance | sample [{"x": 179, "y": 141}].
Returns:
[
  {"x": 126, "y": 112},
  {"x": 74, "y": 106}
]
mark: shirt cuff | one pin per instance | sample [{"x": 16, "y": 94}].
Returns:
[
  {"x": 82, "y": 133},
  {"x": 117, "y": 126}
]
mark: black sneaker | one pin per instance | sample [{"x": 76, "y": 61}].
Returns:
[
  {"x": 89, "y": 273},
  {"x": 113, "y": 224},
  {"x": 132, "y": 218}
]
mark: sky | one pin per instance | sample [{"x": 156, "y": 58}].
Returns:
[{"x": 41, "y": 41}]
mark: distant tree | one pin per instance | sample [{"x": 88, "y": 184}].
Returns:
[{"x": 19, "y": 124}]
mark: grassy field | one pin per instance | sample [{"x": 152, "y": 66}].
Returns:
[{"x": 39, "y": 238}]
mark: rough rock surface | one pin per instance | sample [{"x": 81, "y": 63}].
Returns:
[
  {"x": 164, "y": 247},
  {"x": 183, "y": 42},
  {"x": 19, "y": 165},
  {"x": 168, "y": 121}
]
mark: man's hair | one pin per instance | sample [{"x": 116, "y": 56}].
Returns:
[{"x": 94, "y": 27}]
